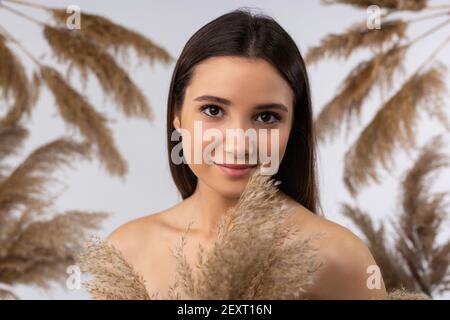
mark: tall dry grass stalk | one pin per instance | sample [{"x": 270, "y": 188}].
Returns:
[
  {"x": 114, "y": 278},
  {"x": 85, "y": 50},
  {"x": 39, "y": 252},
  {"x": 108, "y": 34},
  {"x": 346, "y": 106},
  {"x": 423, "y": 216},
  {"x": 25, "y": 185},
  {"x": 250, "y": 257},
  {"x": 12, "y": 138},
  {"x": 84, "y": 54},
  {"x": 394, "y": 273},
  {"x": 37, "y": 245},
  {"x": 403, "y": 294},
  {"x": 77, "y": 111},
  {"x": 15, "y": 86},
  {"x": 415, "y": 260},
  {"x": 408, "y": 5},
  {"x": 356, "y": 37},
  {"x": 255, "y": 255},
  {"x": 394, "y": 126}
]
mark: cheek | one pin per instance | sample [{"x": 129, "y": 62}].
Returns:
[
  {"x": 194, "y": 146},
  {"x": 275, "y": 144},
  {"x": 195, "y": 143}
]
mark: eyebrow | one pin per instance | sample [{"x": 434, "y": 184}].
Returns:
[{"x": 264, "y": 106}]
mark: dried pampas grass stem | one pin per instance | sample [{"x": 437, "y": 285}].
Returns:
[
  {"x": 394, "y": 126},
  {"x": 255, "y": 255},
  {"x": 111, "y": 35},
  {"x": 84, "y": 54},
  {"x": 78, "y": 112}
]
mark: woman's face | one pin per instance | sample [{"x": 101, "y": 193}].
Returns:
[{"x": 228, "y": 96}]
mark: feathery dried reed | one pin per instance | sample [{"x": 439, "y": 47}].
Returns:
[
  {"x": 115, "y": 278},
  {"x": 25, "y": 185},
  {"x": 39, "y": 252},
  {"x": 249, "y": 259},
  {"x": 15, "y": 84},
  {"x": 423, "y": 214},
  {"x": 395, "y": 274},
  {"x": 394, "y": 125},
  {"x": 403, "y": 294},
  {"x": 345, "y": 107},
  {"x": 111, "y": 35},
  {"x": 424, "y": 263},
  {"x": 255, "y": 255},
  {"x": 77, "y": 111},
  {"x": 411, "y": 5},
  {"x": 356, "y": 37},
  {"x": 85, "y": 55},
  {"x": 36, "y": 247},
  {"x": 11, "y": 138}
]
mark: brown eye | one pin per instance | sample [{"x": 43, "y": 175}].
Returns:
[
  {"x": 268, "y": 117},
  {"x": 211, "y": 110}
]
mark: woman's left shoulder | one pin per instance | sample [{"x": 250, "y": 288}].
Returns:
[{"x": 348, "y": 270}]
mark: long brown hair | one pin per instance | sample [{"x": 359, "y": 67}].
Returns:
[{"x": 241, "y": 33}]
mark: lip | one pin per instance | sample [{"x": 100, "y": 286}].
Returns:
[{"x": 236, "y": 170}]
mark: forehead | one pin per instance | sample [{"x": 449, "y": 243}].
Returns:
[{"x": 239, "y": 79}]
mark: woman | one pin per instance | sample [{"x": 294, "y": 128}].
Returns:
[{"x": 242, "y": 71}]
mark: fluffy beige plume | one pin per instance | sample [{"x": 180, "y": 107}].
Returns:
[
  {"x": 15, "y": 86},
  {"x": 84, "y": 54},
  {"x": 415, "y": 261},
  {"x": 12, "y": 138},
  {"x": 422, "y": 217},
  {"x": 78, "y": 112},
  {"x": 250, "y": 258},
  {"x": 346, "y": 106},
  {"x": 255, "y": 255},
  {"x": 356, "y": 37},
  {"x": 40, "y": 250},
  {"x": 37, "y": 245},
  {"x": 395, "y": 275},
  {"x": 111, "y": 35},
  {"x": 26, "y": 184},
  {"x": 411, "y": 5},
  {"x": 393, "y": 126},
  {"x": 114, "y": 278}
]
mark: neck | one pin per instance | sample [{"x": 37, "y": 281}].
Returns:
[{"x": 208, "y": 207}]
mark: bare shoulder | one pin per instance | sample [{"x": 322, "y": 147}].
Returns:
[
  {"x": 149, "y": 233},
  {"x": 348, "y": 270},
  {"x": 134, "y": 236}
]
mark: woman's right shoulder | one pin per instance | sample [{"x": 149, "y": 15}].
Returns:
[
  {"x": 131, "y": 237},
  {"x": 146, "y": 231}
]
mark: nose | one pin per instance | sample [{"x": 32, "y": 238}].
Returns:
[{"x": 239, "y": 142}]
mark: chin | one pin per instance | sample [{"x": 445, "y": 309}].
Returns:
[
  {"x": 232, "y": 192},
  {"x": 229, "y": 188}
]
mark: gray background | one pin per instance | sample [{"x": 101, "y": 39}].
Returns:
[{"x": 148, "y": 187}]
